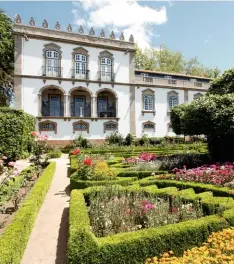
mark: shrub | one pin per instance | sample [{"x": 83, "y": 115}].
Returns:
[
  {"x": 14, "y": 239},
  {"x": 129, "y": 140},
  {"x": 81, "y": 142},
  {"x": 102, "y": 171},
  {"x": 53, "y": 154},
  {"x": 115, "y": 139},
  {"x": 15, "y": 129},
  {"x": 144, "y": 140}
]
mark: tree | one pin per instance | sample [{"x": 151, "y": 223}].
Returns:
[
  {"x": 6, "y": 59},
  {"x": 168, "y": 61},
  {"x": 211, "y": 115}
]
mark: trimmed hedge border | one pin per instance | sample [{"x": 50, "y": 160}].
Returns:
[
  {"x": 136, "y": 247},
  {"x": 14, "y": 239}
]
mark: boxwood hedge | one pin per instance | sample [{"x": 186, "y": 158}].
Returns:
[
  {"x": 15, "y": 237},
  {"x": 135, "y": 247}
]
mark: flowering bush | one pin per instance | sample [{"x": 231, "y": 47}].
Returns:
[
  {"x": 146, "y": 156},
  {"x": 214, "y": 174},
  {"x": 76, "y": 152},
  {"x": 112, "y": 212},
  {"x": 102, "y": 171},
  {"x": 219, "y": 248}
]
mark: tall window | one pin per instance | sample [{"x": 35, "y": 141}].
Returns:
[
  {"x": 148, "y": 102},
  {"x": 106, "y": 69},
  {"x": 55, "y": 105},
  {"x": 52, "y": 67},
  {"x": 79, "y": 106},
  {"x": 80, "y": 66},
  {"x": 173, "y": 99}
]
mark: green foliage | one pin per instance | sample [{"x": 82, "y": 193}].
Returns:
[
  {"x": 135, "y": 247},
  {"x": 129, "y": 140},
  {"x": 169, "y": 61},
  {"x": 15, "y": 130},
  {"x": 80, "y": 142},
  {"x": 14, "y": 239},
  {"x": 7, "y": 59},
  {"x": 115, "y": 139},
  {"x": 53, "y": 154}
]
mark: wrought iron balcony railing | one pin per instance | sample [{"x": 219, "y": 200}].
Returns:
[
  {"x": 79, "y": 74},
  {"x": 52, "y": 71},
  {"x": 106, "y": 76},
  {"x": 81, "y": 111},
  {"x": 109, "y": 111},
  {"x": 46, "y": 110}
]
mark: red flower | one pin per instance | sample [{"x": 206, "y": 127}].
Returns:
[
  {"x": 75, "y": 151},
  {"x": 88, "y": 162},
  {"x": 34, "y": 133}
]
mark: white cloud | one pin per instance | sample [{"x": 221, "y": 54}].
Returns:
[{"x": 123, "y": 15}]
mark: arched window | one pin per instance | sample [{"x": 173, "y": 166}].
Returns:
[
  {"x": 106, "y": 62},
  {"x": 52, "y": 63},
  {"x": 148, "y": 126},
  {"x": 110, "y": 126},
  {"x": 173, "y": 99},
  {"x": 148, "y": 102},
  {"x": 197, "y": 96}
]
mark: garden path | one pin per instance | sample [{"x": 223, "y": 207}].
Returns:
[{"x": 48, "y": 240}]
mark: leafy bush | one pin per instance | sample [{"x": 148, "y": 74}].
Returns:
[
  {"x": 81, "y": 142},
  {"x": 14, "y": 239},
  {"x": 115, "y": 139},
  {"x": 129, "y": 140},
  {"x": 102, "y": 171},
  {"x": 53, "y": 154},
  {"x": 144, "y": 140},
  {"x": 15, "y": 131}
]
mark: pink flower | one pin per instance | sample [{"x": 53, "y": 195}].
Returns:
[
  {"x": 11, "y": 163},
  {"x": 4, "y": 157},
  {"x": 15, "y": 172},
  {"x": 34, "y": 133}
]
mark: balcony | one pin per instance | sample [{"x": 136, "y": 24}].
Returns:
[
  {"x": 170, "y": 82},
  {"x": 79, "y": 74},
  {"x": 48, "y": 110},
  {"x": 52, "y": 71},
  {"x": 77, "y": 111},
  {"x": 106, "y": 76}
]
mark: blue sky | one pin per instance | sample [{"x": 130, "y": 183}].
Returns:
[{"x": 203, "y": 29}]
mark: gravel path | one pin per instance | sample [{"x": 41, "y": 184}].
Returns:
[{"x": 48, "y": 240}]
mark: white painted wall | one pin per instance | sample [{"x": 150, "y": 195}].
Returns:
[{"x": 33, "y": 59}]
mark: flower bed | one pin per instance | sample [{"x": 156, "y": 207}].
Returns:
[
  {"x": 219, "y": 248},
  {"x": 214, "y": 174},
  {"x": 135, "y": 246}
]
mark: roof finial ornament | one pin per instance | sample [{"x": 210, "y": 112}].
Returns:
[
  {"x": 32, "y": 22},
  {"x": 112, "y": 35},
  {"x": 91, "y": 31},
  {"x": 45, "y": 24},
  {"x": 57, "y": 26},
  {"x": 131, "y": 38},
  {"x": 69, "y": 28},
  {"x": 121, "y": 37},
  {"x": 18, "y": 19},
  {"x": 81, "y": 30},
  {"x": 102, "y": 34}
]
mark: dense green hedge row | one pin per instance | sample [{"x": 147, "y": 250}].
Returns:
[
  {"x": 14, "y": 239},
  {"x": 135, "y": 247},
  {"x": 15, "y": 131}
]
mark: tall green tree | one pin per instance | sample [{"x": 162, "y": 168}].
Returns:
[
  {"x": 6, "y": 59},
  {"x": 170, "y": 61}
]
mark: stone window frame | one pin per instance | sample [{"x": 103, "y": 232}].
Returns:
[
  {"x": 47, "y": 122},
  {"x": 52, "y": 47},
  {"x": 197, "y": 96},
  {"x": 172, "y": 93},
  {"x": 146, "y": 123},
  {"x": 110, "y": 122},
  {"x": 80, "y": 122},
  {"x": 143, "y": 94},
  {"x": 82, "y": 51},
  {"x": 106, "y": 54}
]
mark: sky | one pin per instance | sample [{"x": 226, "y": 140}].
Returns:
[{"x": 194, "y": 28}]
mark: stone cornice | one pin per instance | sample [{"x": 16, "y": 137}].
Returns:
[
  {"x": 137, "y": 85},
  {"x": 71, "y": 37}
]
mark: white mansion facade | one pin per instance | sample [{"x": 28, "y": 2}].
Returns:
[{"x": 76, "y": 83}]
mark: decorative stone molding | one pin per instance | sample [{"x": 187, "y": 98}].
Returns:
[
  {"x": 170, "y": 94},
  {"x": 91, "y": 32},
  {"x": 121, "y": 37},
  {"x": 110, "y": 126},
  {"x": 69, "y": 28},
  {"x": 106, "y": 54},
  {"x": 18, "y": 19},
  {"x": 81, "y": 30},
  {"x": 57, "y": 26},
  {"x": 197, "y": 96},
  {"x": 148, "y": 126},
  {"x": 80, "y": 50},
  {"x": 45, "y": 24},
  {"x": 80, "y": 126},
  {"x": 102, "y": 34},
  {"x": 131, "y": 38},
  {"x": 112, "y": 35},
  {"x": 32, "y": 22},
  {"x": 47, "y": 125}
]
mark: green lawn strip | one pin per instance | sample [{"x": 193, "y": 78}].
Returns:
[{"x": 14, "y": 239}]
